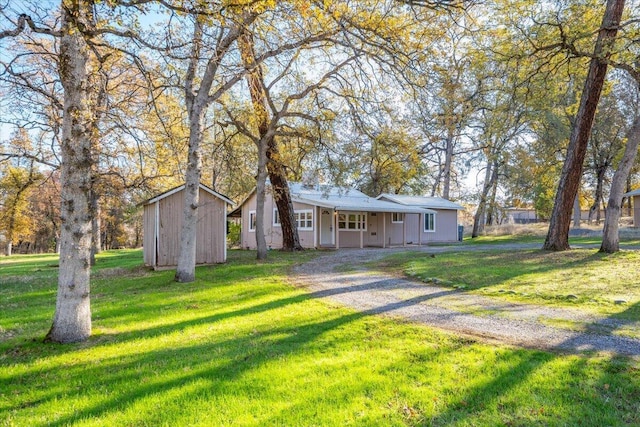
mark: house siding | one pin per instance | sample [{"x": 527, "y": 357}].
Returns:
[
  {"x": 273, "y": 234},
  {"x": 380, "y": 231},
  {"x": 446, "y": 227}
]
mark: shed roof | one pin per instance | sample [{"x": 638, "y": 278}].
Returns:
[
  {"x": 632, "y": 193},
  {"x": 421, "y": 201},
  {"x": 180, "y": 188}
]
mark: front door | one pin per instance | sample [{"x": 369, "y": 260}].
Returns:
[
  {"x": 374, "y": 236},
  {"x": 327, "y": 236}
]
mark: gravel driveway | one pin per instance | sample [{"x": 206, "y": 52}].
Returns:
[{"x": 341, "y": 276}]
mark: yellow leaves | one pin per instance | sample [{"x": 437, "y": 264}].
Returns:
[
  {"x": 305, "y": 9},
  {"x": 16, "y": 185},
  {"x": 243, "y": 6}
]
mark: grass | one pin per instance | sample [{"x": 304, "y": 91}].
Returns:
[
  {"x": 580, "y": 278},
  {"x": 625, "y": 241},
  {"x": 244, "y": 346},
  {"x": 536, "y": 233}
]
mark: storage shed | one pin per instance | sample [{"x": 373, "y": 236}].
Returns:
[{"x": 162, "y": 224}]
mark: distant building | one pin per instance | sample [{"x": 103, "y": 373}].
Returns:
[{"x": 521, "y": 216}]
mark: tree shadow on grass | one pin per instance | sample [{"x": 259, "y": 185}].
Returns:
[
  {"x": 169, "y": 328},
  {"x": 604, "y": 332},
  {"x": 252, "y": 354},
  {"x": 498, "y": 265},
  {"x": 239, "y": 353},
  {"x": 618, "y": 387},
  {"x": 214, "y": 366}
]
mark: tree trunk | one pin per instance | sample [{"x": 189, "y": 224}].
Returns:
[
  {"x": 282, "y": 197},
  {"x": 186, "y": 269},
  {"x": 72, "y": 319},
  {"x": 277, "y": 176},
  {"x": 448, "y": 160},
  {"x": 261, "y": 180},
  {"x": 10, "y": 229},
  {"x": 577, "y": 214},
  {"x": 629, "y": 207},
  {"x": 479, "y": 217},
  {"x": 558, "y": 235},
  {"x": 13, "y": 214},
  {"x": 598, "y": 197},
  {"x": 610, "y": 236},
  {"x": 197, "y": 100},
  {"x": 492, "y": 212},
  {"x": 96, "y": 242}
]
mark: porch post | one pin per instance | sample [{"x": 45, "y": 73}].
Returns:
[
  {"x": 384, "y": 234},
  {"x": 337, "y": 231},
  {"x": 419, "y": 230},
  {"x": 361, "y": 238},
  {"x": 316, "y": 226}
]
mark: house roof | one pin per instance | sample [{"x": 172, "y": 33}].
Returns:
[
  {"x": 180, "y": 188},
  {"x": 420, "y": 201},
  {"x": 341, "y": 199},
  {"x": 632, "y": 193},
  {"x": 345, "y": 199}
]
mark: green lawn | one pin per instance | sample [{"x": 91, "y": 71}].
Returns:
[
  {"x": 244, "y": 346},
  {"x": 625, "y": 241},
  {"x": 579, "y": 278}
]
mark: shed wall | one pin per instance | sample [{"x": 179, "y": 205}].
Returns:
[
  {"x": 148, "y": 233},
  {"x": 169, "y": 229},
  {"x": 212, "y": 230}
]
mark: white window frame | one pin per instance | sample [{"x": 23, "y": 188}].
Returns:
[
  {"x": 304, "y": 217},
  {"x": 276, "y": 218},
  {"x": 433, "y": 222},
  {"x": 252, "y": 221},
  {"x": 359, "y": 221},
  {"x": 397, "y": 215}
]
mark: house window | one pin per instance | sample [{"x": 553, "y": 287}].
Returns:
[
  {"x": 397, "y": 217},
  {"x": 352, "y": 222},
  {"x": 430, "y": 222},
  {"x": 252, "y": 220},
  {"x": 304, "y": 220},
  {"x": 276, "y": 217}
]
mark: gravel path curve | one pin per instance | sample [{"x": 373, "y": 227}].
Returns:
[{"x": 342, "y": 277}]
